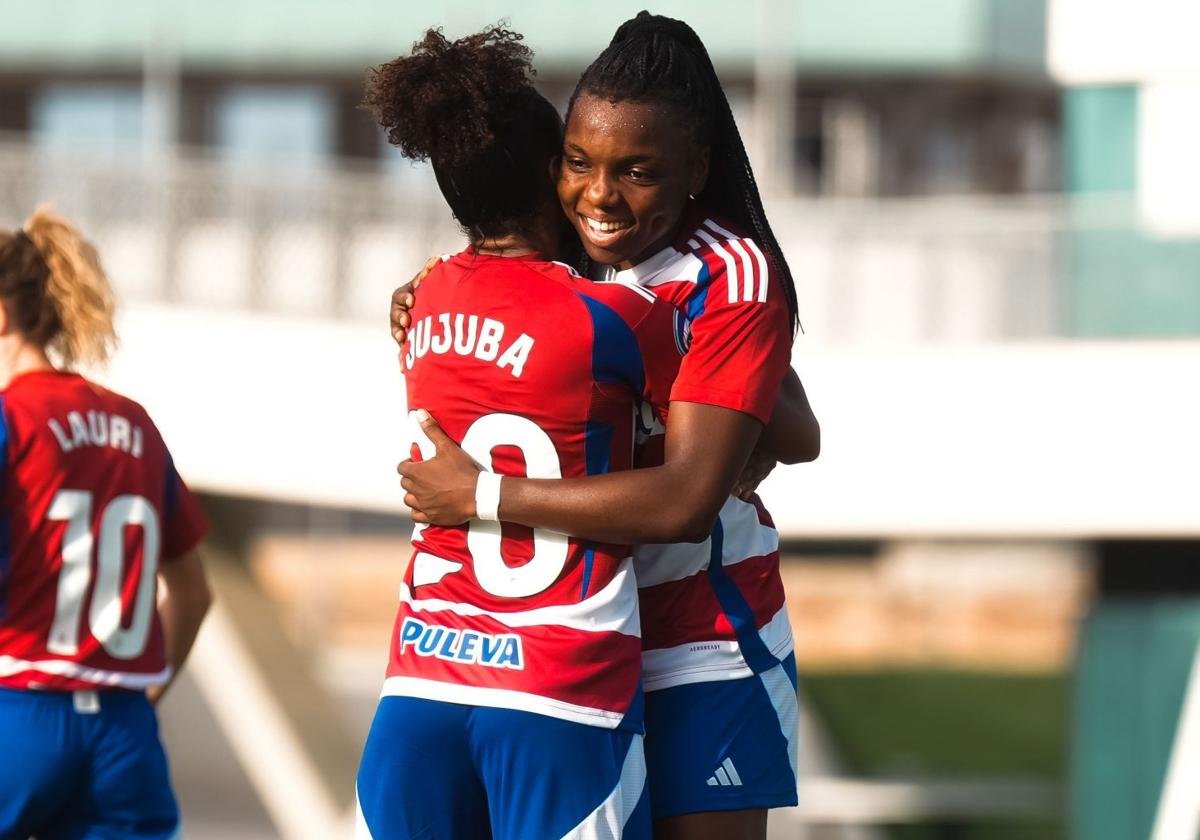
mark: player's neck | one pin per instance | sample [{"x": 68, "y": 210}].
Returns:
[
  {"x": 505, "y": 246},
  {"x": 541, "y": 238},
  {"x": 18, "y": 356}
]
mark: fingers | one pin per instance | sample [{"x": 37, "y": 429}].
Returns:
[
  {"x": 430, "y": 265},
  {"x": 405, "y": 467},
  {"x": 432, "y": 430}
]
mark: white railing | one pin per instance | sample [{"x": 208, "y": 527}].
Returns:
[{"x": 333, "y": 243}]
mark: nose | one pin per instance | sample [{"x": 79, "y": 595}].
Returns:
[{"x": 601, "y": 189}]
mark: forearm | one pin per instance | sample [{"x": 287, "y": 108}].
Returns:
[
  {"x": 181, "y": 612},
  {"x": 654, "y": 505},
  {"x": 793, "y": 436}
]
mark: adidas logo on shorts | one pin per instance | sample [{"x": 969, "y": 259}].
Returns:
[{"x": 726, "y": 776}]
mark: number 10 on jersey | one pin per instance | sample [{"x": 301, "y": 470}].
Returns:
[{"x": 75, "y": 579}]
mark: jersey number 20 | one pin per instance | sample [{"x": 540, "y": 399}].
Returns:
[
  {"x": 104, "y": 617},
  {"x": 484, "y": 538}
]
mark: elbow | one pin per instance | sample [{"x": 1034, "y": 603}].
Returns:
[
  {"x": 806, "y": 450},
  {"x": 198, "y": 598},
  {"x": 691, "y": 525}
]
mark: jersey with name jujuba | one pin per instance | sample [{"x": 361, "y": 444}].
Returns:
[
  {"x": 535, "y": 372},
  {"x": 715, "y": 611},
  {"x": 90, "y": 505}
]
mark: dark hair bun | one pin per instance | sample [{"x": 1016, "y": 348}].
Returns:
[{"x": 443, "y": 101}]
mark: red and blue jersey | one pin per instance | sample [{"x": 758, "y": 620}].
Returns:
[
  {"x": 535, "y": 372},
  {"x": 715, "y": 610},
  {"x": 90, "y": 506}
]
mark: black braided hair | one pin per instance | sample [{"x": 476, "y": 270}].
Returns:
[
  {"x": 470, "y": 108},
  {"x": 653, "y": 58}
]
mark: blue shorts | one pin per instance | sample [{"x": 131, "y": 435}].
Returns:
[
  {"x": 443, "y": 771},
  {"x": 83, "y": 766},
  {"x": 723, "y": 746}
]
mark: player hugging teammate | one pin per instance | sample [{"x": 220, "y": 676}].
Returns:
[
  {"x": 653, "y": 177},
  {"x": 93, "y": 516}
]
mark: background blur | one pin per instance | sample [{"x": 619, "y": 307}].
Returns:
[{"x": 991, "y": 210}]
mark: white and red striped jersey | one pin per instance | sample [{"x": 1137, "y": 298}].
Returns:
[
  {"x": 534, "y": 371},
  {"x": 715, "y": 610},
  {"x": 90, "y": 508}
]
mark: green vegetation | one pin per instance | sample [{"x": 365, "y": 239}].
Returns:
[{"x": 904, "y": 723}]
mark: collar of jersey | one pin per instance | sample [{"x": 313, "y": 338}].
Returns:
[{"x": 470, "y": 255}]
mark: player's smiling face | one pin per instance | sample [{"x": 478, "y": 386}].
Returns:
[{"x": 626, "y": 173}]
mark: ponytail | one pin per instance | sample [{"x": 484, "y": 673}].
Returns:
[
  {"x": 55, "y": 292},
  {"x": 658, "y": 59}
]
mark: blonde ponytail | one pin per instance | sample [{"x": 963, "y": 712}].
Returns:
[{"x": 76, "y": 321}]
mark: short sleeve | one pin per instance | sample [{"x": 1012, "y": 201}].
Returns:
[
  {"x": 740, "y": 339},
  {"x": 184, "y": 524},
  {"x": 661, "y": 336}
]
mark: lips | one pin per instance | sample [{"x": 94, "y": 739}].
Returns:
[{"x": 603, "y": 232}]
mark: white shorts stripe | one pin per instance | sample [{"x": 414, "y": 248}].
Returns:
[
  {"x": 608, "y": 821},
  {"x": 361, "y": 830},
  {"x": 10, "y": 665},
  {"x": 783, "y": 698},
  {"x": 500, "y": 698}
]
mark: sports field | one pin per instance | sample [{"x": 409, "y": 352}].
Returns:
[{"x": 905, "y": 724}]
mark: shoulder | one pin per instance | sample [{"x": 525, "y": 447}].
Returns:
[
  {"x": 737, "y": 269},
  {"x": 626, "y": 301}
]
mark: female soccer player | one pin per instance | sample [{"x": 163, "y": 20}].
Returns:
[
  {"x": 92, "y": 516},
  {"x": 512, "y": 705},
  {"x": 649, "y": 126}
]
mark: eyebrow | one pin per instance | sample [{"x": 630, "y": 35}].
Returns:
[{"x": 628, "y": 159}]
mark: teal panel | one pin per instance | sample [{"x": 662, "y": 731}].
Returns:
[
  {"x": 307, "y": 35},
  {"x": 1133, "y": 670},
  {"x": 1100, "y": 132},
  {"x": 883, "y": 32}
]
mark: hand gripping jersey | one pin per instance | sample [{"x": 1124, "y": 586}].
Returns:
[
  {"x": 535, "y": 372},
  {"x": 715, "y": 611},
  {"x": 90, "y": 506}
]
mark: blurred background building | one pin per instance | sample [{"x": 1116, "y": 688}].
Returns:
[{"x": 990, "y": 207}]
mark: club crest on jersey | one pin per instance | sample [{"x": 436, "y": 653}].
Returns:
[
  {"x": 683, "y": 332},
  {"x": 502, "y": 650}
]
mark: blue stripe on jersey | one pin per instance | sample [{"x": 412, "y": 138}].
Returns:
[
  {"x": 3, "y": 441},
  {"x": 589, "y": 557},
  {"x": 699, "y": 296},
  {"x": 5, "y": 557},
  {"x": 170, "y": 488},
  {"x": 616, "y": 356},
  {"x": 734, "y": 605},
  {"x": 597, "y": 445},
  {"x": 5, "y": 545}
]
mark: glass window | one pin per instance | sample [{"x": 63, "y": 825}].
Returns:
[
  {"x": 293, "y": 125},
  {"x": 102, "y": 119}
]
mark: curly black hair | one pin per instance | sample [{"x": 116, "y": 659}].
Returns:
[
  {"x": 470, "y": 108},
  {"x": 652, "y": 58}
]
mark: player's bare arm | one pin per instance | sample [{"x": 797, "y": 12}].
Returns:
[
  {"x": 706, "y": 449},
  {"x": 186, "y": 599},
  {"x": 793, "y": 436}
]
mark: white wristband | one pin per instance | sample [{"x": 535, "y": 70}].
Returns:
[{"x": 487, "y": 497}]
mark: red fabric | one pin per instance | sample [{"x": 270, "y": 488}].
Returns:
[
  {"x": 96, "y": 453},
  {"x": 582, "y": 370}
]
